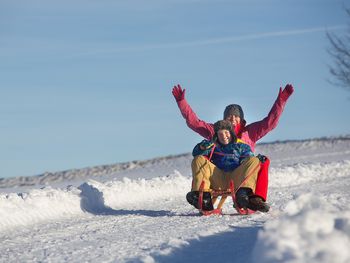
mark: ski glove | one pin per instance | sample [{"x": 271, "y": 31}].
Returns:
[
  {"x": 286, "y": 92},
  {"x": 205, "y": 145},
  {"x": 262, "y": 158},
  {"x": 178, "y": 93}
]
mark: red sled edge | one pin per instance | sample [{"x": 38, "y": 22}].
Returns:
[{"x": 216, "y": 211}]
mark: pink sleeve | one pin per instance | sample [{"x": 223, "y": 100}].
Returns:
[
  {"x": 259, "y": 129},
  {"x": 203, "y": 128}
]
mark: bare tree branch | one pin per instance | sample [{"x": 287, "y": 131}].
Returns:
[{"x": 340, "y": 52}]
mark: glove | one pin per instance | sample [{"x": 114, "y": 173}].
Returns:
[
  {"x": 262, "y": 158},
  {"x": 205, "y": 145},
  {"x": 178, "y": 93},
  {"x": 284, "y": 94}
]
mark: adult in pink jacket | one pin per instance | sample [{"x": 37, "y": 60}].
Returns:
[{"x": 249, "y": 134}]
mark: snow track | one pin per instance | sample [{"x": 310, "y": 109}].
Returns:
[{"x": 148, "y": 220}]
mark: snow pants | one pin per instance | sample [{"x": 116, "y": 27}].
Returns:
[
  {"x": 214, "y": 178},
  {"x": 262, "y": 182}
]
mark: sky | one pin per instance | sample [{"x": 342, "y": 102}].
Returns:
[{"x": 87, "y": 83}]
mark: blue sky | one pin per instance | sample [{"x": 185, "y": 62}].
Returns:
[{"x": 86, "y": 83}]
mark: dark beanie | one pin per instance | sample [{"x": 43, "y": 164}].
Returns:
[{"x": 234, "y": 109}]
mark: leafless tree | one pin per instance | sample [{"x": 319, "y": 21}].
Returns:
[{"x": 340, "y": 52}]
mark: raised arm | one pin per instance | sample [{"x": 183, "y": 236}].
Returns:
[
  {"x": 259, "y": 129},
  {"x": 203, "y": 128}
]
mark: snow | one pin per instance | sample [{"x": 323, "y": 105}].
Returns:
[
  {"x": 311, "y": 230},
  {"x": 138, "y": 213}
]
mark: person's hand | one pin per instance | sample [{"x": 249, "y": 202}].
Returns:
[
  {"x": 205, "y": 145},
  {"x": 286, "y": 92},
  {"x": 178, "y": 93}
]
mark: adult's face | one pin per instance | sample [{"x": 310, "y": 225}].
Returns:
[{"x": 235, "y": 120}]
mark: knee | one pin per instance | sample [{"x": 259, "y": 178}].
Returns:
[
  {"x": 255, "y": 160},
  {"x": 252, "y": 160},
  {"x": 198, "y": 160}
]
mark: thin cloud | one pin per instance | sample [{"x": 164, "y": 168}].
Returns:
[{"x": 217, "y": 41}]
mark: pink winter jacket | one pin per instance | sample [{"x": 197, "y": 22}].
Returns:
[{"x": 249, "y": 134}]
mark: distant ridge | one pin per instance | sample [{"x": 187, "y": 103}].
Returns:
[
  {"x": 325, "y": 138},
  {"x": 79, "y": 174},
  {"x": 111, "y": 170}
]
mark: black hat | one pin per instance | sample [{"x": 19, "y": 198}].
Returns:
[{"x": 234, "y": 109}]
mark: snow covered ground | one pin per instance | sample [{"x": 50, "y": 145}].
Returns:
[{"x": 138, "y": 213}]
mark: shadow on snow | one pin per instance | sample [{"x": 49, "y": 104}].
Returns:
[
  {"x": 232, "y": 246},
  {"x": 92, "y": 201}
]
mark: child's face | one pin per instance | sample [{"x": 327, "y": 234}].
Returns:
[{"x": 224, "y": 137}]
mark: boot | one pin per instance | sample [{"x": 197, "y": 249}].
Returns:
[
  {"x": 242, "y": 197},
  {"x": 256, "y": 203},
  {"x": 207, "y": 202},
  {"x": 193, "y": 199}
]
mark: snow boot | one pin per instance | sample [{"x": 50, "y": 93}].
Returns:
[
  {"x": 193, "y": 199},
  {"x": 256, "y": 203},
  {"x": 242, "y": 197}
]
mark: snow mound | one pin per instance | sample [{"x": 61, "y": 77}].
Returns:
[
  {"x": 132, "y": 194},
  {"x": 304, "y": 173},
  {"x": 38, "y": 205},
  {"x": 310, "y": 230}
]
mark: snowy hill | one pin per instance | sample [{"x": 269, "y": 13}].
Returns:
[
  {"x": 136, "y": 212},
  {"x": 284, "y": 152}
]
